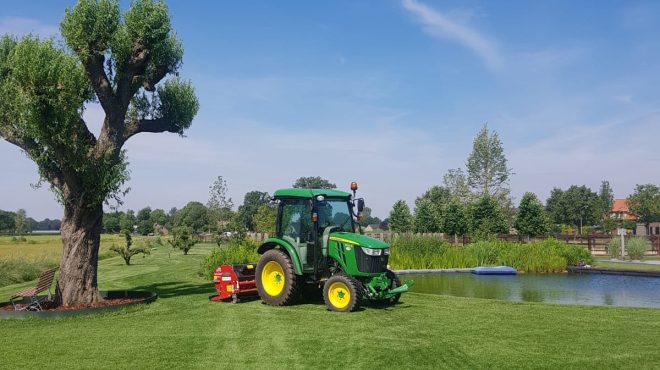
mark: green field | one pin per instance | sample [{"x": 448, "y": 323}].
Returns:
[{"x": 182, "y": 329}]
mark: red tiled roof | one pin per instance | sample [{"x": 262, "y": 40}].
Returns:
[{"x": 620, "y": 206}]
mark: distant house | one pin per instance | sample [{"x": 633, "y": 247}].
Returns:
[
  {"x": 161, "y": 230},
  {"x": 621, "y": 213},
  {"x": 372, "y": 228}
]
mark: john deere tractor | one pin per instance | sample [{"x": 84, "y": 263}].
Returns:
[{"x": 316, "y": 244}]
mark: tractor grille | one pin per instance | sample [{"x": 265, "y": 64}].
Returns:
[{"x": 370, "y": 264}]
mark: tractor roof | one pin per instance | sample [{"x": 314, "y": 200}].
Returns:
[{"x": 310, "y": 193}]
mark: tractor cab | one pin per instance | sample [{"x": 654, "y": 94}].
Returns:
[{"x": 316, "y": 243}]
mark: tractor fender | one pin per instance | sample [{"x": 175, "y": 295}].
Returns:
[{"x": 274, "y": 243}]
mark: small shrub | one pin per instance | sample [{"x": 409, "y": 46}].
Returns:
[
  {"x": 613, "y": 248},
  {"x": 183, "y": 239},
  {"x": 637, "y": 247},
  {"x": 18, "y": 270},
  {"x": 127, "y": 252},
  {"x": 230, "y": 253}
]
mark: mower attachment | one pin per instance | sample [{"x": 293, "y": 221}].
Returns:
[{"x": 234, "y": 281}]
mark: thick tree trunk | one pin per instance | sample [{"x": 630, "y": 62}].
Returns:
[{"x": 81, "y": 235}]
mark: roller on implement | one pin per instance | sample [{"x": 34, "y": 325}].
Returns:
[{"x": 234, "y": 282}]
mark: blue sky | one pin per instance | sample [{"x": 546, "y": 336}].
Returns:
[{"x": 388, "y": 93}]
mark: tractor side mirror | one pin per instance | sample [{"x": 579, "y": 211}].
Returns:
[{"x": 360, "y": 205}]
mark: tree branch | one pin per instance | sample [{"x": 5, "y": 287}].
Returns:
[
  {"x": 149, "y": 125},
  {"x": 136, "y": 64},
  {"x": 96, "y": 74}
]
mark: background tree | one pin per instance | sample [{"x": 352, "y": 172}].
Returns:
[
  {"x": 20, "y": 221},
  {"x": 531, "y": 219},
  {"x": 486, "y": 219},
  {"x": 127, "y": 251},
  {"x": 486, "y": 165},
  {"x": 437, "y": 197},
  {"x": 111, "y": 222},
  {"x": 606, "y": 195},
  {"x": 456, "y": 184},
  {"x": 127, "y": 220},
  {"x": 264, "y": 219},
  {"x": 7, "y": 222},
  {"x": 219, "y": 204},
  {"x": 144, "y": 224},
  {"x": 251, "y": 203},
  {"x": 578, "y": 205},
  {"x": 400, "y": 220},
  {"x": 183, "y": 238},
  {"x": 193, "y": 215},
  {"x": 455, "y": 221},
  {"x": 117, "y": 61},
  {"x": 644, "y": 202},
  {"x": 313, "y": 182},
  {"x": 158, "y": 216},
  {"x": 426, "y": 217},
  {"x": 369, "y": 219}
]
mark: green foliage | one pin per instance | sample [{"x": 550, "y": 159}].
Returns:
[
  {"x": 486, "y": 165},
  {"x": 178, "y": 104},
  {"x": 606, "y": 195},
  {"x": 111, "y": 222},
  {"x": 456, "y": 183},
  {"x": 313, "y": 182},
  {"x": 645, "y": 203},
  {"x": 264, "y": 219},
  {"x": 426, "y": 217},
  {"x": 7, "y": 221},
  {"x": 486, "y": 219},
  {"x": 455, "y": 221},
  {"x": 128, "y": 250},
  {"x": 576, "y": 204},
  {"x": 193, "y": 215},
  {"x": 368, "y": 219},
  {"x": 531, "y": 219},
  {"x": 219, "y": 204},
  {"x": 400, "y": 220},
  {"x": 251, "y": 203},
  {"x": 613, "y": 247},
  {"x": 183, "y": 238},
  {"x": 637, "y": 247},
  {"x": 19, "y": 222},
  {"x": 422, "y": 252},
  {"x": 233, "y": 252}
]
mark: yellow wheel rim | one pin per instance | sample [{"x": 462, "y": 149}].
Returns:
[
  {"x": 272, "y": 278},
  {"x": 339, "y": 295}
]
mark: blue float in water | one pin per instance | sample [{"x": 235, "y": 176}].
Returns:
[{"x": 496, "y": 270}]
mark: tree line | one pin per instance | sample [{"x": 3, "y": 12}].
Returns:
[
  {"x": 477, "y": 201},
  {"x": 18, "y": 223}
]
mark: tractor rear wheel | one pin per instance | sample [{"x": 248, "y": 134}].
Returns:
[
  {"x": 276, "y": 280},
  {"x": 341, "y": 293}
]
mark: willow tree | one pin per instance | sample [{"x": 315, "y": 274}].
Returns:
[{"x": 127, "y": 63}]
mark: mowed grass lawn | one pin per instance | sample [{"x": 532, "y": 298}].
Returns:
[{"x": 182, "y": 329}]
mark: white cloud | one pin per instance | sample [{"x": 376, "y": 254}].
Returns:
[
  {"x": 19, "y": 26},
  {"x": 442, "y": 25}
]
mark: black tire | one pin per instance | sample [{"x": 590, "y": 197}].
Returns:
[
  {"x": 340, "y": 282},
  {"x": 289, "y": 291},
  {"x": 395, "y": 284}
]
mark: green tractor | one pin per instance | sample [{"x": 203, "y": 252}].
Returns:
[{"x": 316, "y": 245}]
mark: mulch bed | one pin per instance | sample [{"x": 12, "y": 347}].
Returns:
[{"x": 49, "y": 306}]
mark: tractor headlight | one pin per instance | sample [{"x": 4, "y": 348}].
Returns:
[
  {"x": 386, "y": 252},
  {"x": 372, "y": 252}
]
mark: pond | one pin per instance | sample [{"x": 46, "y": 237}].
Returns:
[{"x": 587, "y": 289}]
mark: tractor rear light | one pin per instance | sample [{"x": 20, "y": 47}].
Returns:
[{"x": 372, "y": 252}]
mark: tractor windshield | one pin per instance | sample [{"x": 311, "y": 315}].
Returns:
[{"x": 335, "y": 212}]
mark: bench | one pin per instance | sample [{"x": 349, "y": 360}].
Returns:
[{"x": 43, "y": 284}]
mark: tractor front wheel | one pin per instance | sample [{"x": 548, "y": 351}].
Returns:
[
  {"x": 276, "y": 280},
  {"x": 341, "y": 293}
]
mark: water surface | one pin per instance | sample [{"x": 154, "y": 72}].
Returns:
[{"x": 587, "y": 289}]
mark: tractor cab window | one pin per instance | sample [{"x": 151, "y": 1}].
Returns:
[
  {"x": 335, "y": 212},
  {"x": 296, "y": 223}
]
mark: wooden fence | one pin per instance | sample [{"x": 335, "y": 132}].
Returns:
[{"x": 596, "y": 243}]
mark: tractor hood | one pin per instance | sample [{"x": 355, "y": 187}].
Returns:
[{"x": 357, "y": 239}]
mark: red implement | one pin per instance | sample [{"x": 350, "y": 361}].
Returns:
[{"x": 234, "y": 281}]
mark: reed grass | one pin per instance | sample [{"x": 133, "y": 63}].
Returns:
[{"x": 423, "y": 252}]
